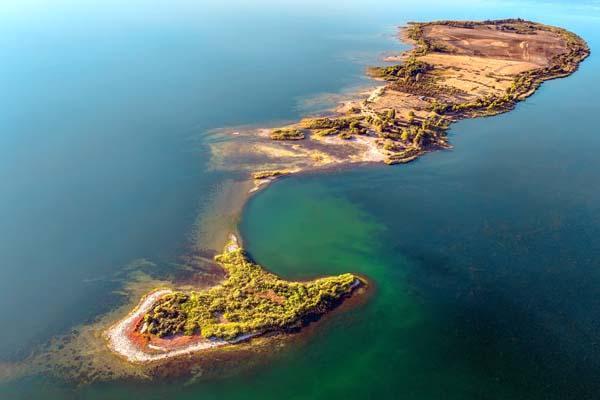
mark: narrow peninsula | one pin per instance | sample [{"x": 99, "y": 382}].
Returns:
[{"x": 455, "y": 70}]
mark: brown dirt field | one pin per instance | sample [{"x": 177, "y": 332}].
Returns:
[
  {"x": 271, "y": 295},
  {"x": 401, "y": 102},
  {"x": 478, "y": 76},
  {"x": 488, "y": 41}
]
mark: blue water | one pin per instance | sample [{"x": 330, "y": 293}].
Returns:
[{"x": 106, "y": 113}]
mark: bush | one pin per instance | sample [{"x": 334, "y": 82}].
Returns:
[
  {"x": 410, "y": 69},
  {"x": 287, "y": 134}
]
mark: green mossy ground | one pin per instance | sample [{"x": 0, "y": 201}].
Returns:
[{"x": 250, "y": 300}]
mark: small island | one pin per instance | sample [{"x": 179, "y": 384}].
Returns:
[
  {"x": 455, "y": 70},
  {"x": 248, "y": 303}
]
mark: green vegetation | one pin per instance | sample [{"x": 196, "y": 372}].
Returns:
[
  {"x": 423, "y": 45},
  {"x": 384, "y": 122},
  {"x": 287, "y": 134},
  {"x": 342, "y": 126},
  {"x": 328, "y": 132},
  {"x": 322, "y": 123},
  {"x": 250, "y": 300},
  {"x": 403, "y": 157},
  {"x": 411, "y": 69},
  {"x": 269, "y": 174}
]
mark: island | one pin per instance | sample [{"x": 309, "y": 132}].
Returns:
[
  {"x": 249, "y": 302},
  {"x": 455, "y": 70}
]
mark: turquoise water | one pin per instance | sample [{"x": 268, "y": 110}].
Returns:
[{"x": 483, "y": 259}]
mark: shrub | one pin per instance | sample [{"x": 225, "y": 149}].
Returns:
[{"x": 287, "y": 134}]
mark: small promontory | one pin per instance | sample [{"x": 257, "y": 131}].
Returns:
[{"x": 248, "y": 303}]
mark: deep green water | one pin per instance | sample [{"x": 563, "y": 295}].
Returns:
[{"x": 484, "y": 259}]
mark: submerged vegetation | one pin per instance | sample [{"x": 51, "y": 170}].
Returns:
[{"x": 250, "y": 301}]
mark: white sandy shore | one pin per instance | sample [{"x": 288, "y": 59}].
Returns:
[
  {"x": 260, "y": 183},
  {"x": 373, "y": 153},
  {"x": 119, "y": 342},
  {"x": 375, "y": 94}
]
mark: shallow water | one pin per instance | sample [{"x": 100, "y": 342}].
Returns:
[{"x": 483, "y": 258}]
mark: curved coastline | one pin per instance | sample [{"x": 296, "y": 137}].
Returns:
[
  {"x": 121, "y": 336},
  {"x": 121, "y": 342}
]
